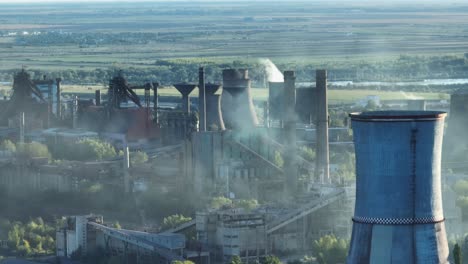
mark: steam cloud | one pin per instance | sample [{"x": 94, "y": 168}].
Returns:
[{"x": 273, "y": 74}]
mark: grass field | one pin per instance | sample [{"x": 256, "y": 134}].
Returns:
[
  {"x": 288, "y": 31},
  {"x": 335, "y": 96}
]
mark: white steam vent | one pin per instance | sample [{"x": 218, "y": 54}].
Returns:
[{"x": 273, "y": 74}]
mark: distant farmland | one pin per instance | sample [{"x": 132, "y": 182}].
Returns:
[{"x": 137, "y": 35}]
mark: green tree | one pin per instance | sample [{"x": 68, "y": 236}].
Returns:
[
  {"x": 307, "y": 153},
  {"x": 457, "y": 254},
  {"x": 182, "y": 262},
  {"x": 7, "y": 145},
  {"x": 219, "y": 202},
  {"x": 247, "y": 205},
  {"x": 33, "y": 150},
  {"x": 329, "y": 249},
  {"x": 138, "y": 157},
  {"x": 270, "y": 260},
  {"x": 173, "y": 221},
  {"x": 236, "y": 260},
  {"x": 278, "y": 160}
]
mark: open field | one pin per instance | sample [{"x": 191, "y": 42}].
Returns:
[{"x": 137, "y": 35}]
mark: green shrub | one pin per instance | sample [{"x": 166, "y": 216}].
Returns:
[{"x": 7, "y": 145}]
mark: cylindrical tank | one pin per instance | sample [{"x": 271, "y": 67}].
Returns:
[
  {"x": 398, "y": 216},
  {"x": 237, "y": 104}
]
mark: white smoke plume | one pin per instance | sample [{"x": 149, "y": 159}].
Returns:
[
  {"x": 273, "y": 74},
  {"x": 410, "y": 96}
]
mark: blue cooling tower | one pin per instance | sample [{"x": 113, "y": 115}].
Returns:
[{"x": 398, "y": 216}]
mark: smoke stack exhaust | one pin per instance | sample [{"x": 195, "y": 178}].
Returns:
[
  {"x": 202, "y": 99},
  {"x": 59, "y": 98},
  {"x": 398, "y": 216},
  {"x": 97, "y": 97},
  {"x": 290, "y": 168},
  {"x": 322, "y": 169},
  {"x": 237, "y": 104}
]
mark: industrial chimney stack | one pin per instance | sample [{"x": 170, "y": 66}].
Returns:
[
  {"x": 202, "y": 99},
  {"x": 322, "y": 170},
  {"x": 398, "y": 215},
  {"x": 290, "y": 167}
]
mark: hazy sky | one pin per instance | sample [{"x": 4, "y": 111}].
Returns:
[{"x": 355, "y": 1}]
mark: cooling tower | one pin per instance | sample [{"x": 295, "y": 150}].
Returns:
[
  {"x": 214, "y": 117},
  {"x": 398, "y": 216},
  {"x": 237, "y": 104}
]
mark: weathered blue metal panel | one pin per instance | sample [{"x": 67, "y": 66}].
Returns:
[{"x": 398, "y": 155}]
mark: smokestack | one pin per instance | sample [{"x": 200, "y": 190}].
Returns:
[
  {"x": 290, "y": 168},
  {"x": 185, "y": 89},
  {"x": 214, "y": 115},
  {"x": 398, "y": 215},
  {"x": 97, "y": 95},
  {"x": 126, "y": 166},
  {"x": 21, "y": 126},
  {"x": 59, "y": 98},
  {"x": 322, "y": 169},
  {"x": 237, "y": 104},
  {"x": 202, "y": 99},
  {"x": 75, "y": 112},
  {"x": 155, "y": 101}
]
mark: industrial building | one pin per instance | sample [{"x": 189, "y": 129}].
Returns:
[{"x": 216, "y": 146}]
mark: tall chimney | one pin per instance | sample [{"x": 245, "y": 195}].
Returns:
[
  {"x": 21, "y": 128},
  {"x": 59, "y": 98},
  {"x": 398, "y": 216},
  {"x": 202, "y": 99},
  {"x": 322, "y": 169},
  {"x": 97, "y": 95},
  {"x": 155, "y": 101},
  {"x": 237, "y": 104},
  {"x": 290, "y": 167},
  {"x": 75, "y": 112}
]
